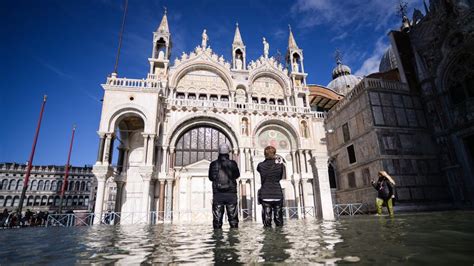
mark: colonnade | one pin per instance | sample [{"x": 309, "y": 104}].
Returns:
[{"x": 158, "y": 177}]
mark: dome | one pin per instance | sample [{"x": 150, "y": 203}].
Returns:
[
  {"x": 343, "y": 81},
  {"x": 344, "y": 84},
  {"x": 340, "y": 70},
  {"x": 388, "y": 61}
]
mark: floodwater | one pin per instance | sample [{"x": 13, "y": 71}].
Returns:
[{"x": 442, "y": 238}]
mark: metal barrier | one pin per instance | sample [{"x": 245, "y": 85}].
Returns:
[
  {"x": 350, "y": 209},
  {"x": 195, "y": 216}
]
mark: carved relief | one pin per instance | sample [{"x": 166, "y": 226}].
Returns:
[
  {"x": 195, "y": 81},
  {"x": 267, "y": 87}
]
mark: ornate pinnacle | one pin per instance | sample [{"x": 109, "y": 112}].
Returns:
[
  {"x": 338, "y": 56},
  {"x": 402, "y": 9}
]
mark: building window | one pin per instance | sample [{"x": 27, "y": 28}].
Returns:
[
  {"x": 389, "y": 142},
  {"x": 351, "y": 154},
  {"x": 199, "y": 144},
  {"x": 351, "y": 180},
  {"x": 346, "y": 133}
]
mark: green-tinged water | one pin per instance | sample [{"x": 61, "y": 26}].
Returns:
[{"x": 445, "y": 238}]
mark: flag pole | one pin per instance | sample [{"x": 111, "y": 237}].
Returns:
[
  {"x": 66, "y": 172},
  {"x": 120, "y": 37},
  {"x": 30, "y": 161}
]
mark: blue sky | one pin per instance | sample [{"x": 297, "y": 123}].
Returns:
[{"x": 66, "y": 49}]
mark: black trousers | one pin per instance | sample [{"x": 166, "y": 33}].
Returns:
[
  {"x": 272, "y": 208},
  {"x": 218, "y": 214}
]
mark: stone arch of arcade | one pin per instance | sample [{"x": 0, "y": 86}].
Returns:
[
  {"x": 191, "y": 122},
  {"x": 201, "y": 65},
  {"x": 122, "y": 112},
  {"x": 288, "y": 130},
  {"x": 280, "y": 78}
]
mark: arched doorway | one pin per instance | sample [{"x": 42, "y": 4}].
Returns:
[
  {"x": 199, "y": 143},
  {"x": 195, "y": 149},
  {"x": 130, "y": 145}
]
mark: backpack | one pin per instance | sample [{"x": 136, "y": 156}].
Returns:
[{"x": 223, "y": 181}]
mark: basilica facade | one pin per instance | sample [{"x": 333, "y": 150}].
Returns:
[{"x": 165, "y": 130}]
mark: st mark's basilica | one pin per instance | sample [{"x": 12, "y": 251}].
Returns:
[{"x": 167, "y": 128}]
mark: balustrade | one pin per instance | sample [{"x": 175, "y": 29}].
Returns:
[
  {"x": 133, "y": 83},
  {"x": 242, "y": 106}
]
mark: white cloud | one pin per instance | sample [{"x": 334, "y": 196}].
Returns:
[
  {"x": 371, "y": 64},
  {"x": 339, "y": 14},
  {"x": 338, "y": 37}
]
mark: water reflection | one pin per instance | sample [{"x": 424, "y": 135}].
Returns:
[
  {"x": 410, "y": 239},
  {"x": 275, "y": 245}
]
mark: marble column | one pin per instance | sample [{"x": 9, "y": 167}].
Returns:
[
  {"x": 296, "y": 186},
  {"x": 306, "y": 158},
  {"x": 243, "y": 192},
  {"x": 100, "y": 153},
  {"x": 169, "y": 199},
  {"x": 164, "y": 155},
  {"x": 151, "y": 148},
  {"x": 247, "y": 160},
  {"x": 107, "y": 148},
  {"x": 145, "y": 147},
  {"x": 99, "y": 200},
  {"x": 242, "y": 161},
  {"x": 121, "y": 159},
  {"x": 146, "y": 180},
  {"x": 301, "y": 162},
  {"x": 161, "y": 200},
  {"x": 293, "y": 163},
  {"x": 323, "y": 199},
  {"x": 118, "y": 197}
]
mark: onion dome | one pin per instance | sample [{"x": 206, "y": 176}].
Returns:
[{"x": 343, "y": 81}]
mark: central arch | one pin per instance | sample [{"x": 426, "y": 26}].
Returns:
[
  {"x": 193, "y": 121},
  {"x": 199, "y": 143}
]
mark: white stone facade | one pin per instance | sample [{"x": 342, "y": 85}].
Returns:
[{"x": 167, "y": 128}]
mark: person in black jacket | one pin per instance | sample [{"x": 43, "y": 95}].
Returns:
[
  {"x": 385, "y": 192},
  {"x": 270, "y": 194},
  {"x": 223, "y": 173}
]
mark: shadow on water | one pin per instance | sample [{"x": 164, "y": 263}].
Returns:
[{"x": 430, "y": 238}]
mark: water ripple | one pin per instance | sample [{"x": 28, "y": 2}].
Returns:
[{"x": 415, "y": 239}]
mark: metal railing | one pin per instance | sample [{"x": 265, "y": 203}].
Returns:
[
  {"x": 350, "y": 209},
  {"x": 195, "y": 216}
]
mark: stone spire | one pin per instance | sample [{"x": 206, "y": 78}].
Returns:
[
  {"x": 291, "y": 40},
  {"x": 163, "y": 28},
  {"x": 238, "y": 51},
  {"x": 237, "y": 38}
]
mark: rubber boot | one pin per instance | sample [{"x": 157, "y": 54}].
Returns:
[
  {"x": 266, "y": 214},
  {"x": 278, "y": 213},
  {"x": 217, "y": 215},
  {"x": 232, "y": 215}
]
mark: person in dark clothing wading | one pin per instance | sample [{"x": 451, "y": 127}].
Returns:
[
  {"x": 223, "y": 173},
  {"x": 385, "y": 192},
  {"x": 270, "y": 195}
]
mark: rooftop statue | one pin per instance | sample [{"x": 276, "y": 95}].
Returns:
[
  {"x": 266, "y": 47},
  {"x": 204, "y": 39}
]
